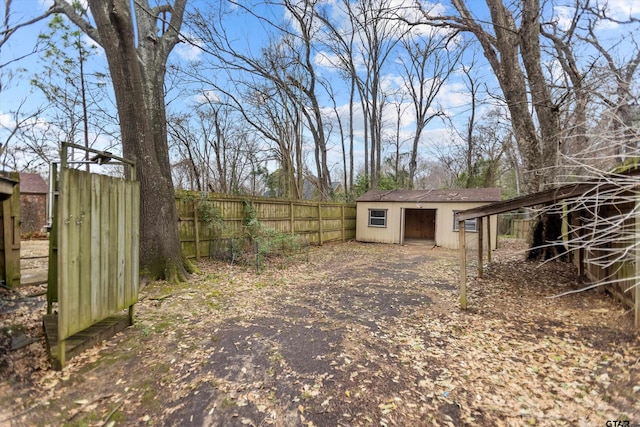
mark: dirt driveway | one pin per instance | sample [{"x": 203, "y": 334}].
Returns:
[{"x": 361, "y": 334}]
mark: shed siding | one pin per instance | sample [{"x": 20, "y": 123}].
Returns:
[{"x": 445, "y": 236}]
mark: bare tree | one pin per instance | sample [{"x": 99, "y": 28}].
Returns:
[
  {"x": 341, "y": 42},
  {"x": 216, "y": 152},
  {"x": 430, "y": 60},
  {"x": 573, "y": 91},
  {"x": 378, "y": 33},
  {"x": 283, "y": 72},
  {"x": 400, "y": 174},
  {"x": 513, "y": 51},
  {"x": 305, "y": 19},
  {"x": 622, "y": 102}
]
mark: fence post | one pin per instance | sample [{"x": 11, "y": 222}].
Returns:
[
  {"x": 320, "y": 232},
  {"x": 342, "y": 222},
  {"x": 196, "y": 227},
  {"x": 291, "y": 218}
]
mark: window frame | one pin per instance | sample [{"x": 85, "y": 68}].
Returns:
[
  {"x": 470, "y": 225},
  {"x": 383, "y": 218}
]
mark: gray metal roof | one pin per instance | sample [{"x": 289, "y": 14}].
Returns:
[{"x": 433, "y": 196}]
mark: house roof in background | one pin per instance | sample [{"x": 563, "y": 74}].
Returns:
[
  {"x": 425, "y": 196},
  {"x": 32, "y": 183}
]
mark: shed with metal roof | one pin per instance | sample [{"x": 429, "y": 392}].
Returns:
[{"x": 429, "y": 216}]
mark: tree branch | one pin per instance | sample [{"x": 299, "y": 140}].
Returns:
[
  {"x": 62, "y": 6},
  {"x": 7, "y": 32}
]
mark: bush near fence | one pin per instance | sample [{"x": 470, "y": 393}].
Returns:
[{"x": 208, "y": 224}]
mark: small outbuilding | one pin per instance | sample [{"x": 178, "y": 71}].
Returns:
[
  {"x": 405, "y": 216},
  {"x": 33, "y": 202}
]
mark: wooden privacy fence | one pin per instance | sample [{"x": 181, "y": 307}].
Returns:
[
  {"x": 612, "y": 262},
  {"x": 516, "y": 225},
  {"x": 94, "y": 246},
  {"x": 314, "y": 222}
]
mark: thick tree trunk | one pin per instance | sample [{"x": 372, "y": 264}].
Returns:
[
  {"x": 138, "y": 82},
  {"x": 504, "y": 51},
  {"x": 546, "y": 239}
]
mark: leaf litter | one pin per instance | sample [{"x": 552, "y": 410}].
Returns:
[{"x": 361, "y": 334}]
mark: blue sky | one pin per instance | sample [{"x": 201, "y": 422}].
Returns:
[{"x": 453, "y": 98}]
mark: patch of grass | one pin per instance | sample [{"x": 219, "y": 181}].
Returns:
[
  {"x": 266, "y": 284},
  {"x": 211, "y": 277},
  {"x": 215, "y": 305},
  {"x": 118, "y": 417},
  {"x": 216, "y": 293},
  {"x": 227, "y": 402},
  {"x": 148, "y": 395},
  {"x": 163, "y": 326},
  {"x": 276, "y": 356}
]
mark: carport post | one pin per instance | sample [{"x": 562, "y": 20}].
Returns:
[
  {"x": 489, "y": 240},
  {"x": 480, "y": 248},
  {"x": 463, "y": 265}
]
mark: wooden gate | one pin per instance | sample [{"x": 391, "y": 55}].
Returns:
[{"x": 94, "y": 252}]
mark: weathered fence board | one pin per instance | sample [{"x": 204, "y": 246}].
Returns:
[{"x": 314, "y": 222}]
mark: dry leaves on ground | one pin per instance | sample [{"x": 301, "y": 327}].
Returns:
[{"x": 360, "y": 334}]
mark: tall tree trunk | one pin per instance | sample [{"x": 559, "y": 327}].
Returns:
[
  {"x": 138, "y": 82},
  {"x": 504, "y": 51},
  {"x": 547, "y": 112}
]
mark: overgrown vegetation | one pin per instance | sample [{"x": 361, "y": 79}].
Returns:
[
  {"x": 269, "y": 244},
  {"x": 205, "y": 209}
]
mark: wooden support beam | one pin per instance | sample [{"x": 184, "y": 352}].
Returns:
[
  {"x": 480, "y": 247},
  {"x": 489, "y": 240},
  {"x": 463, "y": 265}
]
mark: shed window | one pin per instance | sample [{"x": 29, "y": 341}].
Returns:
[
  {"x": 377, "y": 217},
  {"x": 469, "y": 224}
]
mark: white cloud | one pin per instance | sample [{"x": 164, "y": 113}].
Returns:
[
  {"x": 6, "y": 120},
  {"x": 619, "y": 10},
  {"x": 189, "y": 50},
  {"x": 327, "y": 60},
  {"x": 623, "y": 9},
  {"x": 207, "y": 97},
  {"x": 453, "y": 95},
  {"x": 563, "y": 16}
]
